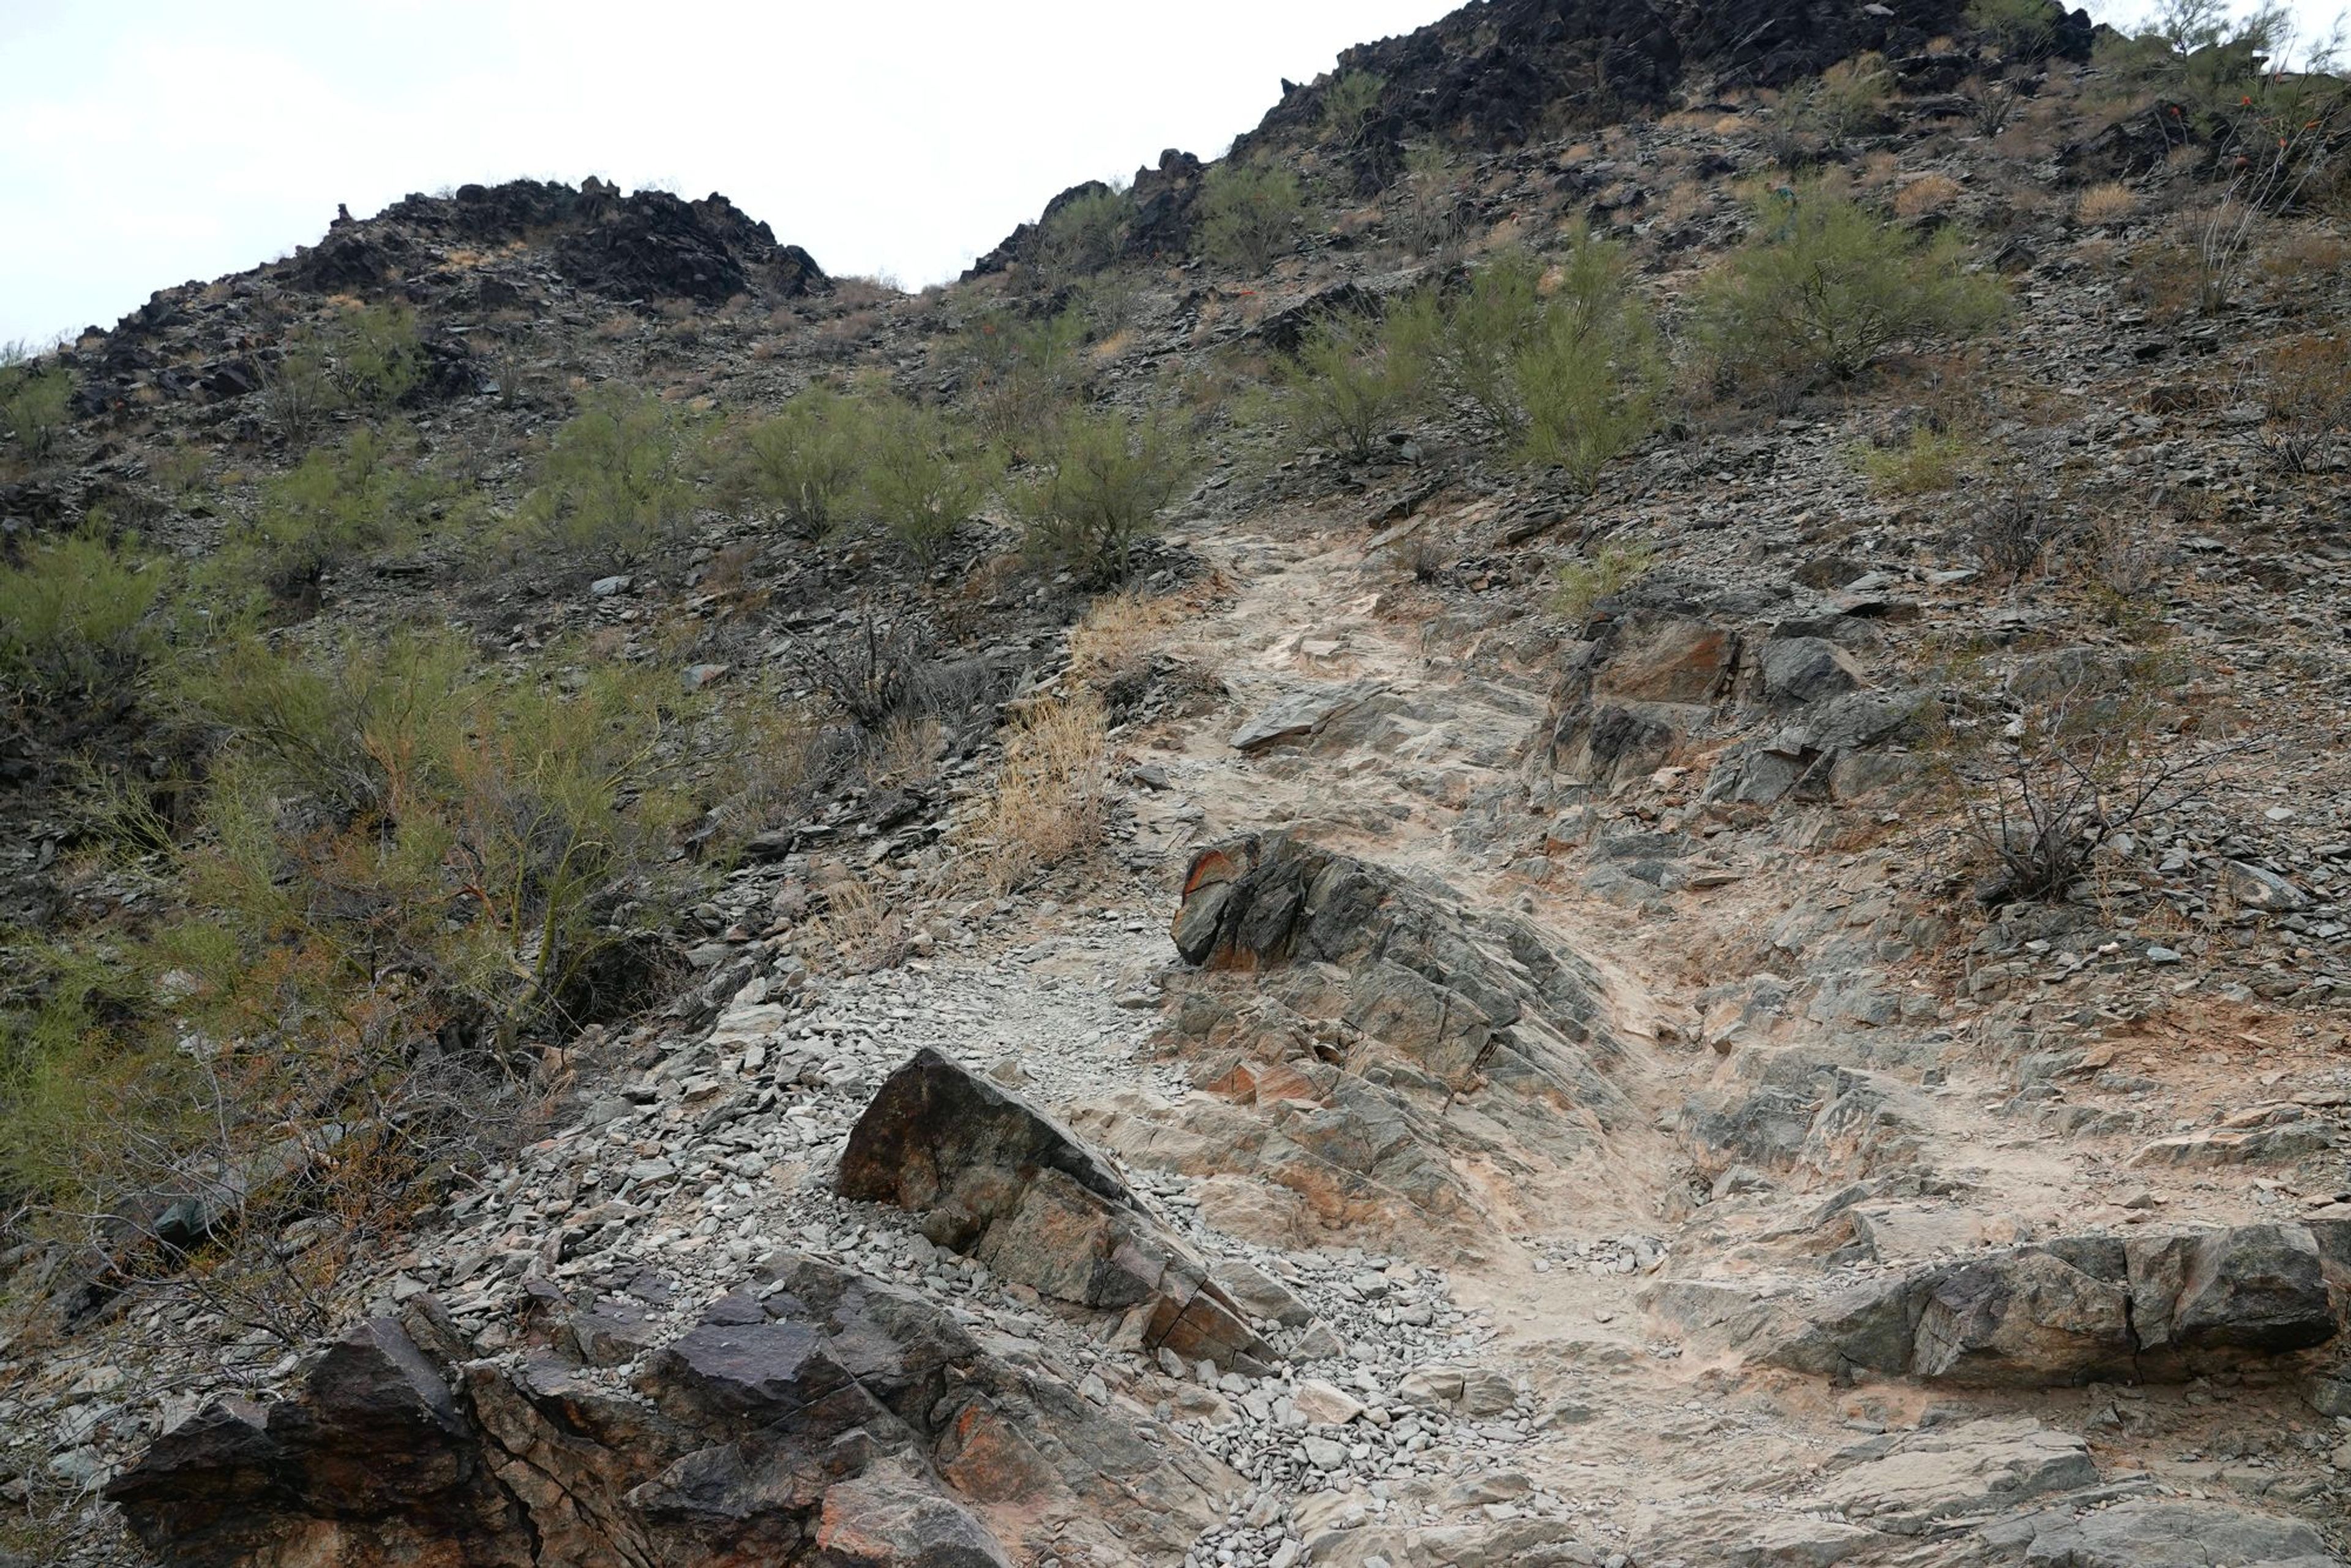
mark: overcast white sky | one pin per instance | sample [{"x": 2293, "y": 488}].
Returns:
[{"x": 144, "y": 143}]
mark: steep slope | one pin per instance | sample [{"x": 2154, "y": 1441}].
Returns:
[{"x": 1539, "y": 1060}]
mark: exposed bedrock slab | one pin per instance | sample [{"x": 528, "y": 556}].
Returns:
[
  {"x": 2148, "y": 1307},
  {"x": 1382, "y": 1057}
]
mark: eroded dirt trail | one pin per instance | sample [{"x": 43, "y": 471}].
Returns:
[{"x": 1794, "y": 1101}]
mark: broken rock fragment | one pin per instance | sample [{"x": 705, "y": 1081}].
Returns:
[{"x": 993, "y": 1176}]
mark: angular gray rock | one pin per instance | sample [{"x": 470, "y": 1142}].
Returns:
[
  {"x": 2257, "y": 888},
  {"x": 991, "y": 1176},
  {"x": 1260, "y": 1293},
  {"x": 1299, "y": 714},
  {"x": 1799, "y": 671}
]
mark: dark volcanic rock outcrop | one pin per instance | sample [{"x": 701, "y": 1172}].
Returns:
[
  {"x": 819, "y": 1417},
  {"x": 648, "y": 244},
  {"x": 652, "y": 245},
  {"x": 1498, "y": 74},
  {"x": 1158, "y": 215}
]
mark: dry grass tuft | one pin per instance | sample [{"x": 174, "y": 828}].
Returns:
[
  {"x": 859, "y": 927},
  {"x": 2105, "y": 203},
  {"x": 909, "y": 749},
  {"x": 2303, "y": 258},
  {"x": 856, "y": 291},
  {"x": 1118, "y": 637},
  {"x": 1049, "y": 799},
  {"x": 1926, "y": 194}
]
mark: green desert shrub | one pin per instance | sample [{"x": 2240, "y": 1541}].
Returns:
[
  {"x": 2023, "y": 29},
  {"x": 77, "y": 615},
  {"x": 367, "y": 361},
  {"x": 1084, "y": 234},
  {"x": 1924, "y": 460},
  {"x": 357, "y": 500},
  {"x": 1250, "y": 215},
  {"x": 920, "y": 477},
  {"x": 1349, "y": 103},
  {"x": 614, "y": 486},
  {"x": 1825, "y": 286},
  {"x": 1610, "y": 570},
  {"x": 404, "y": 871},
  {"x": 470, "y": 829},
  {"x": 1472, "y": 339},
  {"x": 1350, "y": 380},
  {"x": 1424, "y": 209},
  {"x": 1588, "y": 399},
  {"x": 378, "y": 358},
  {"x": 1588, "y": 382},
  {"x": 2203, "y": 54},
  {"x": 33, "y": 407},
  {"x": 1104, "y": 481},
  {"x": 1561, "y": 367},
  {"x": 801, "y": 463},
  {"x": 298, "y": 389},
  {"x": 1020, "y": 372}
]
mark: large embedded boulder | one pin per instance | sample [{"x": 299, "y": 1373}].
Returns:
[
  {"x": 993, "y": 1176},
  {"x": 1633, "y": 693},
  {"x": 1377, "y": 1051}
]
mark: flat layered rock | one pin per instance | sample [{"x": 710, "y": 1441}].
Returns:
[
  {"x": 1932, "y": 1480},
  {"x": 2150, "y": 1533},
  {"x": 1300, "y": 715}
]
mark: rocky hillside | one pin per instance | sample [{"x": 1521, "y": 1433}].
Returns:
[{"x": 1597, "y": 811}]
